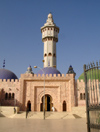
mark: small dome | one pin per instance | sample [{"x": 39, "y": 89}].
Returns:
[
  {"x": 6, "y": 74},
  {"x": 49, "y": 70}
]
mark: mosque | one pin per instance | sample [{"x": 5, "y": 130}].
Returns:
[{"x": 61, "y": 91}]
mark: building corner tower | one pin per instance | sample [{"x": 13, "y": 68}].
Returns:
[{"x": 49, "y": 37}]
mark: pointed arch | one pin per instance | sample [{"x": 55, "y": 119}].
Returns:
[{"x": 48, "y": 103}]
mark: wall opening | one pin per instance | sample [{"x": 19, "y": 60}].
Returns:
[
  {"x": 48, "y": 103},
  {"x": 64, "y": 105},
  {"x": 29, "y": 105},
  {"x": 49, "y": 54}
]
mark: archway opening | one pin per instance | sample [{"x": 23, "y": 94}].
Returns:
[
  {"x": 48, "y": 103},
  {"x": 29, "y": 105},
  {"x": 64, "y": 105}
]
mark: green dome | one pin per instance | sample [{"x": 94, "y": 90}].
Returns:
[
  {"x": 81, "y": 77},
  {"x": 91, "y": 75}
]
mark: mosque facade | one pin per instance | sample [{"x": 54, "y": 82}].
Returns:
[{"x": 61, "y": 91}]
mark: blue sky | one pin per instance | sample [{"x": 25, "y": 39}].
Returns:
[{"x": 21, "y": 39}]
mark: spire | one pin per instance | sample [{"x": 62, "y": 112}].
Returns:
[{"x": 4, "y": 63}]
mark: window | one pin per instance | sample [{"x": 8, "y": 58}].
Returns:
[
  {"x": 45, "y": 55},
  {"x": 13, "y": 95},
  {"x": 80, "y": 96},
  {"x": 6, "y": 96},
  {"x": 54, "y": 55},
  {"x": 49, "y": 54},
  {"x": 9, "y": 95},
  {"x": 84, "y": 96}
]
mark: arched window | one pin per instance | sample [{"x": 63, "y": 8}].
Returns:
[
  {"x": 54, "y": 55},
  {"x": 49, "y": 54},
  {"x": 13, "y": 95},
  {"x": 80, "y": 96},
  {"x": 6, "y": 96},
  {"x": 84, "y": 96},
  {"x": 9, "y": 95},
  {"x": 45, "y": 55}
]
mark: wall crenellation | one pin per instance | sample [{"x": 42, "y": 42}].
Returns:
[{"x": 8, "y": 80}]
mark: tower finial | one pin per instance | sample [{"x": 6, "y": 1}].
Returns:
[{"x": 4, "y": 63}]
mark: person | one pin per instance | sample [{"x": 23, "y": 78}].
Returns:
[
  {"x": 14, "y": 110},
  {"x": 27, "y": 112},
  {"x": 53, "y": 109}
]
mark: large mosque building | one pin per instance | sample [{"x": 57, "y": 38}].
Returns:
[{"x": 61, "y": 91}]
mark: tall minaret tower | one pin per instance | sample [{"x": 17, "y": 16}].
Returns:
[{"x": 50, "y": 37}]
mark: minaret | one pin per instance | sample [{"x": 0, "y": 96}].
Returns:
[{"x": 50, "y": 37}]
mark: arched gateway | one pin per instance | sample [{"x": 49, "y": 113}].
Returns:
[{"x": 48, "y": 103}]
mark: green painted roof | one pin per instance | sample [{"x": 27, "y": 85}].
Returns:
[
  {"x": 81, "y": 77},
  {"x": 95, "y": 74}
]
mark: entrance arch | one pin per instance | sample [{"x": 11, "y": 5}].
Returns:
[
  {"x": 64, "y": 105},
  {"x": 48, "y": 103},
  {"x": 29, "y": 105}
]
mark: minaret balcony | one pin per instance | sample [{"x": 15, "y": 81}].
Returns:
[{"x": 48, "y": 38}]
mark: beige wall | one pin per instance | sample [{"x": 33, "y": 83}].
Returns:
[{"x": 31, "y": 88}]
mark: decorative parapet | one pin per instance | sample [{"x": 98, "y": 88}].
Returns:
[
  {"x": 47, "y": 75},
  {"x": 8, "y": 80}
]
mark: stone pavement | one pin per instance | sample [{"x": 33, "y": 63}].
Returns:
[
  {"x": 76, "y": 113},
  {"x": 34, "y": 125},
  {"x": 48, "y": 115}
]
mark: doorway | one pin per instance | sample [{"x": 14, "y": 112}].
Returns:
[
  {"x": 64, "y": 105},
  {"x": 48, "y": 103},
  {"x": 29, "y": 105}
]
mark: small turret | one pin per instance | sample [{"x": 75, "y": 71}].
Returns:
[
  {"x": 70, "y": 70},
  {"x": 29, "y": 70}
]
